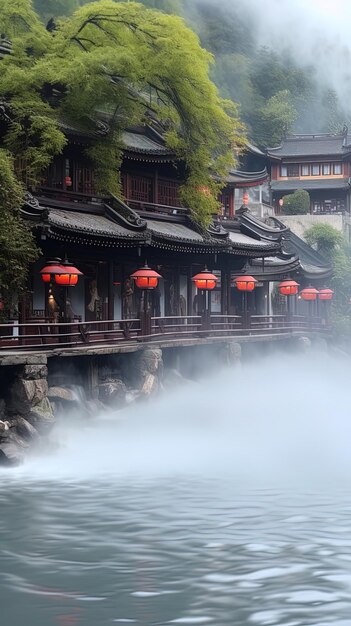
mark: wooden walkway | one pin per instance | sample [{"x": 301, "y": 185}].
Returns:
[{"x": 129, "y": 335}]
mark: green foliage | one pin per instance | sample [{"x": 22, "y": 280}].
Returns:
[
  {"x": 274, "y": 119},
  {"x": 333, "y": 246},
  {"x": 327, "y": 239},
  {"x": 297, "y": 203},
  {"x": 117, "y": 60},
  {"x": 17, "y": 247}
]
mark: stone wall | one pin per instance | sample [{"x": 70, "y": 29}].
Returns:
[{"x": 300, "y": 223}]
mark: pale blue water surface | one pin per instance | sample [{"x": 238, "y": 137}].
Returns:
[{"x": 225, "y": 502}]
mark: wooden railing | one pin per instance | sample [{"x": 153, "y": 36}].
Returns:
[{"x": 45, "y": 336}]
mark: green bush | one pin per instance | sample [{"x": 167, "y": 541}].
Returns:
[{"x": 297, "y": 203}]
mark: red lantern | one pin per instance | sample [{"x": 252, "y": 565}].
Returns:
[
  {"x": 67, "y": 280},
  {"x": 205, "y": 280},
  {"x": 309, "y": 294},
  {"x": 245, "y": 283},
  {"x": 245, "y": 199},
  {"x": 288, "y": 288},
  {"x": 68, "y": 181},
  {"x": 326, "y": 294},
  {"x": 68, "y": 275},
  {"x": 51, "y": 269},
  {"x": 146, "y": 278}
]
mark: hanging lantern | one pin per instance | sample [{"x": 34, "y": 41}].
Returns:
[
  {"x": 288, "y": 288},
  {"x": 245, "y": 283},
  {"x": 146, "y": 278},
  {"x": 245, "y": 199},
  {"x": 309, "y": 294},
  {"x": 68, "y": 181},
  {"x": 205, "y": 280},
  {"x": 68, "y": 276},
  {"x": 206, "y": 191},
  {"x": 281, "y": 202},
  {"x": 50, "y": 270},
  {"x": 325, "y": 294}
]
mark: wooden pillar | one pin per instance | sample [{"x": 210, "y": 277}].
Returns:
[
  {"x": 231, "y": 203},
  {"x": 224, "y": 292},
  {"x": 155, "y": 200},
  {"x": 190, "y": 292},
  {"x": 110, "y": 291}
]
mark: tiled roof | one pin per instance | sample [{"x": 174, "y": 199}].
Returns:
[
  {"x": 312, "y": 145},
  {"x": 87, "y": 223},
  {"x": 310, "y": 185},
  {"x": 136, "y": 142},
  {"x": 174, "y": 231},
  {"x": 238, "y": 177},
  {"x": 240, "y": 240}
]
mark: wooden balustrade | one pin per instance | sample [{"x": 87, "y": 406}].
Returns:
[{"x": 46, "y": 336}]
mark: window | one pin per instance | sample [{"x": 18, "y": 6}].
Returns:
[
  {"x": 337, "y": 169},
  {"x": 283, "y": 170},
  {"x": 326, "y": 169},
  {"x": 293, "y": 171},
  {"x": 305, "y": 170},
  {"x": 315, "y": 169}
]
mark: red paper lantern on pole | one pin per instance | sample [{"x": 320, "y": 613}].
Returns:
[
  {"x": 245, "y": 199},
  {"x": 309, "y": 294},
  {"x": 325, "y": 294},
  {"x": 205, "y": 280},
  {"x": 68, "y": 276},
  {"x": 146, "y": 278},
  {"x": 50, "y": 270},
  {"x": 288, "y": 288},
  {"x": 245, "y": 283},
  {"x": 68, "y": 181}
]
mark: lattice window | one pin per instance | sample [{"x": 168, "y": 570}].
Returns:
[
  {"x": 84, "y": 180},
  {"x": 168, "y": 193},
  {"x": 140, "y": 188}
]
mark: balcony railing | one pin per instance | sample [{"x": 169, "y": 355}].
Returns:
[{"x": 45, "y": 336}]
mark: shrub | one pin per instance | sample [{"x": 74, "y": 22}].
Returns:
[{"x": 297, "y": 203}]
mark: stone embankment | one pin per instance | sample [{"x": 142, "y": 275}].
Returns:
[{"x": 32, "y": 399}]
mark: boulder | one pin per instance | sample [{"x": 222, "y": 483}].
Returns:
[
  {"x": 150, "y": 386},
  {"x": 113, "y": 393},
  {"x": 33, "y": 372},
  {"x": 25, "y": 429},
  {"x": 4, "y": 429},
  {"x": 41, "y": 416},
  {"x": 25, "y": 394},
  {"x": 11, "y": 454},
  {"x": 60, "y": 393}
]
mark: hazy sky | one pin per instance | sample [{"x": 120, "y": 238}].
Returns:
[{"x": 317, "y": 32}]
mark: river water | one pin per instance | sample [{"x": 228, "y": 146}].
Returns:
[{"x": 225, "y": 502}]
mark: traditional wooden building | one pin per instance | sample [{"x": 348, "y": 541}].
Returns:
[
  {"x": 108, "y": 239},
  {"x": 319, "y": 164}
]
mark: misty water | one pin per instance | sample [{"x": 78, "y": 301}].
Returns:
[{"x": 226, "y": 501}]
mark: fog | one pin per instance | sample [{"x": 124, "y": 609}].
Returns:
[
  {"x": 284, "y": 420},
  {"x": 315, "y": 32}
]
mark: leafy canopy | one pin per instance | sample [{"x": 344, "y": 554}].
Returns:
[
  {"x": 122, "y": 62},
  {"x": 17, "y": 246},
  {"x": 327, "y": 239},
  {"x": 297, "y": 203}
]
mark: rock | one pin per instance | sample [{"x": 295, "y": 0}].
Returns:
[
  {"x": 41, "y": 416},
  {"x": 34, "y": 372},
  {"x": 151, "y": 361},
  {"x": 113, "y": 393},
  {"x": 25, "y": 394},
  {"x": 60, "y": 393},
  {"x": 150, "y": 385},
  {"x": 25, "y": 429},
  {"x": 4, "y": 429},
  {"x": 10, "y": 454}
]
